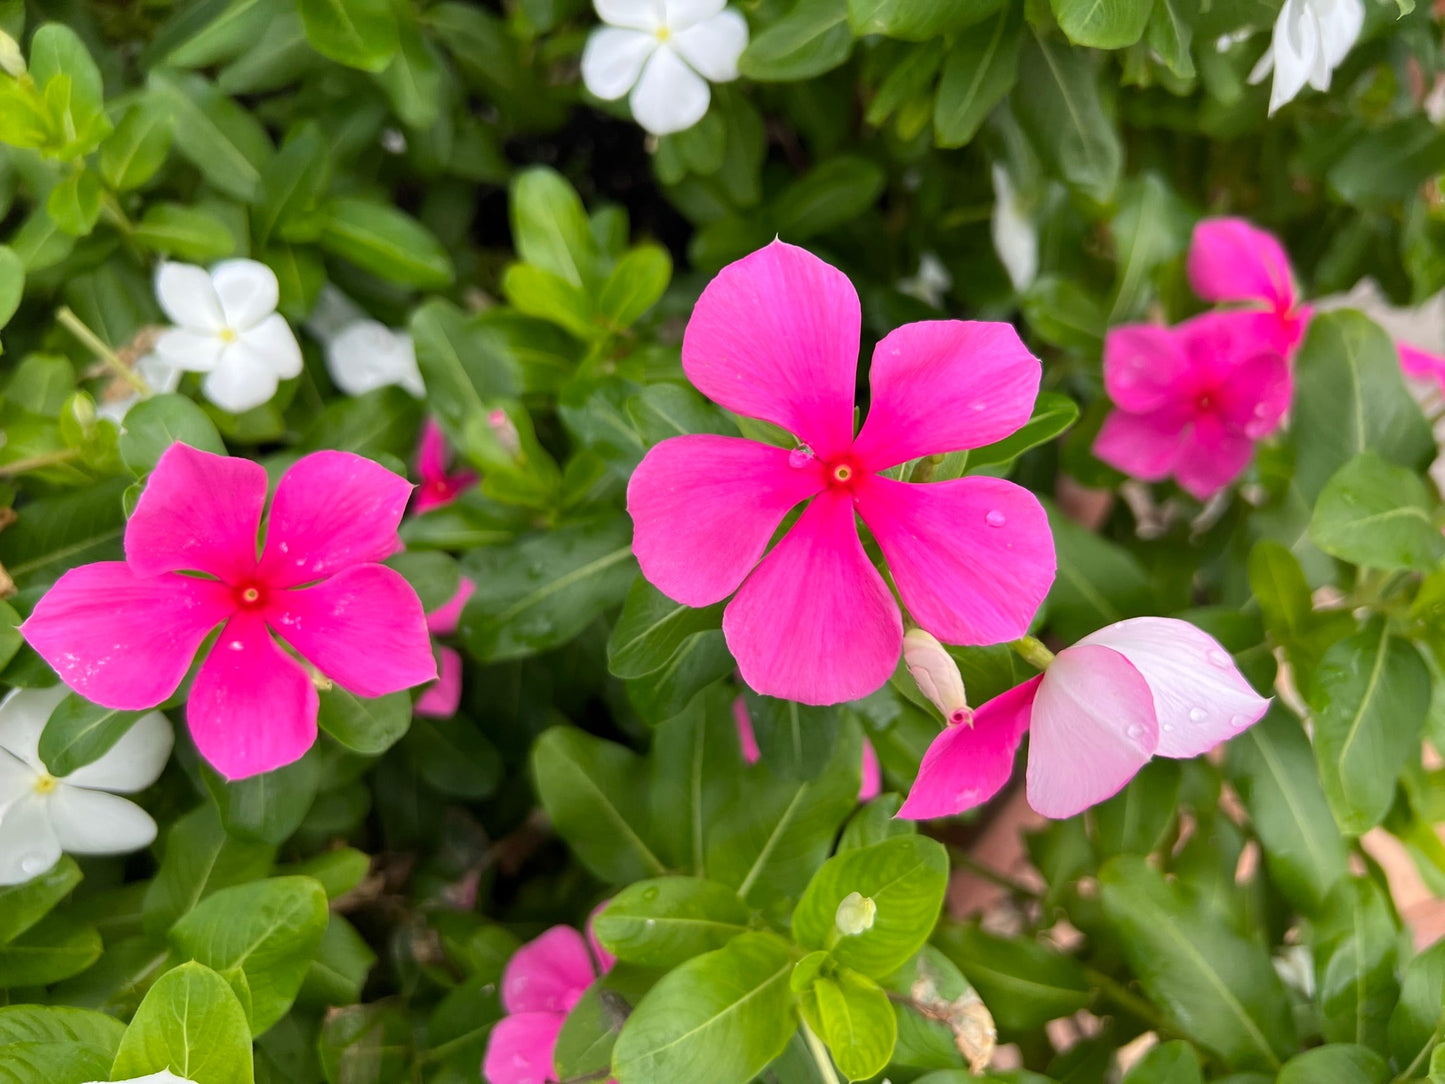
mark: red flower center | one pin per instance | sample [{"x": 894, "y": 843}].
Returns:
[
  {"x": 843, "y": 473},
  {"x": 249, "y": 596}
]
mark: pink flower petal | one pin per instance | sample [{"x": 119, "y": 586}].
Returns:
[
  {"x": 973, "y": 558},
  {"x": 872, "y": 774},
  {"x": 775, "y": 336},
  {"x": 1233, "y": 260},
  {"x": 199, "y": 512},
  {"x": 704, "y": 507},
  {"x": 1144, "y": 446},
  {"x": 123, "y": 640},
  {"x": 747, "y": 737},
  {"x": 945, "y": 385},
  {"x": 331, "y": 510},
  {"x": 548, "y": 974},
  {"x": 969, "y": 763},
  {"x": 520, "y": 1048},
  {"x": 431, "y": 454},
  {"x": 815, "y": 622},
  {"x": 443, "y": 695},
  {"x": 1421, "y": 365},
  {"x": 1211, "y": 457},
  {"x": 363, "y": 628},
  {"x": 443, "y": 620},
  {"x": 1093, "y": 727},
  {"x": 604, "y": 959},
  {"x": 252, "y": 708},
  {"x": 1200, "y": 697},
  {"x": 1254, "y": 399},
  {"x": 1145, "y": 368}
]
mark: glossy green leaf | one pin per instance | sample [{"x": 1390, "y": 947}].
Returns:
[
  {"x": 853, "y": 1016},
  {"x": 1377, "y": 515},
  {"x": 981, "y": 68},
  {"x": 651, "y": 629},
  {"x": 814, "y": 37},
  {"x": 191, "y": 1024},
  {"x": 1103, "y": 24},
  {"x": 662, "y": 922},
  {"x": 25, "y": 904},
  {"x": 1337, "y": 1063},
  {"x": 358, "y": 33},
  {"x": 79, "y": 732}
]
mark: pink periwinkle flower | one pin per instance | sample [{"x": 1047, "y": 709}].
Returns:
[
  {"x": 872, "y": 777},
  {"x": 439, "y": 484},
  {"x": 543, "y": 980},
  {"x": 1145, "y": 687},
  {"x": 775, "y": 336},
  {"x": 442, "y": 696},
  {"x": 1232, "y": 260},
  {"x": 1190, "y": 400},
  {"x": 124, "y": 633}
]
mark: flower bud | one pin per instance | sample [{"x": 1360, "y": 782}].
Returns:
[
  {"x": 12, "y": 60},
  {"x": 505, "y": 432},
  {"x": 855, "y": 914},
  {"x": 937, "y": 676}
]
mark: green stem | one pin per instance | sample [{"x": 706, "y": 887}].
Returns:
[
  {"x": 1118, "y": 993},
  {"x": 67, "y": 319},
  {"x": 37, "y": 462},
  {"x": 110, "y": 207},
  {"x": 1033, "y": 652},
  {"x": 1409, "y": 1070},
  {"x": 820, "y": 1055}
]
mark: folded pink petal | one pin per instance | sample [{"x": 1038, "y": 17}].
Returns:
[
  {"x": 969, "y": 763},
  {"x": 331, "y": 510},
  {"x": 775, "y": 336},
  {"x": 872, "y": 783},
  {"x": 1145, "y": 367},
  {"x": 363, "y": 628},
  {"x": 1254, "y": 399},
  {"x": 945, "y": 385},
  {"x": 815, "y": 622},
  {"x": 747, "y": 738},
  {"x": 1093, "y": 728},
  {"x": 1200, "y": 697},
  {"x": 431, "y": 454},
  {"x": 252, "y": 708},
  {"x": 520, "y": 1048},
  {"x": 1210, "y": 457},
  {"x": 122, "y": 640},
  {"x": 1144, "y": 446},
  {"x": 548, "y": 974},
  {"x": 704, "y": 507},
  {"x": 443, "y": 620},
  {"x": 199, "y": 512},
  {"x": 1421, "y": 364},
  {"x": 1233, "y": 260},
  {"x": 973, "y": 558},
  {"x": 441, "y": 697}
]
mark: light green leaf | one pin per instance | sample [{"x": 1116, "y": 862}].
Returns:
[
  {"x": 1377, "y": 515},
  {"x": 191, "y": 1024},
  {"x": 1103, "y": 24},
  {"x": 662, "y": 922},
  {"x": 358, "y": 33},
  {"x": 813, "y": 38},
  {"x": 366, "y": 725},
  {"x": 854, "y": 1017},
  {"x": 386, "y": 242},
  {"x": 635, "y": 285},
  {"x": 136, "y": 150}
]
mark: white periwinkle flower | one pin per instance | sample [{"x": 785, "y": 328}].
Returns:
[
  {"x": 165, "y": 1076},
  {"x": 158, "y": 376},
  {"x": 367, "y": 354},
  {"x": 41, "y": 816},
  {"x": 227, "y": 327},
  {"x": 1015, "y": 237},
  {"x": 931, "y": 284},
  {"x": 665, "y": 52},
  {"x": 1311, "y": 39}
]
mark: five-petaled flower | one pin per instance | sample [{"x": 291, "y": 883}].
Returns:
[
  {"x": 665, "y": 52},
  {"x": 227, "y": 327},
  {"x": 79, "y": 813},
  {"x": 124, "y": 633},
  {"x": 1311, "y": 39},
  {"x": 542, "y": 981},
  {"x": 439, "y": 486},
  {"x": 1149, "y": 686},
  {"x": 775, "y": 336},
  {"x": 1231, "y": 260}
]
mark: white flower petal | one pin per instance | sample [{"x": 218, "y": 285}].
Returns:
[
  {"x": 23, "y": 713},
  {"x": 273, "y": 344},
  {"x": 332, "y": 313},
  {"x": 28, "y": 846},
  {"x": 1340, "y": 24},
  {"x": 95, "y": 822},
  {"x": 681, "y": 15},
  {"x": 670, "y": 96},
  {"x": 159, "y": 376},
  {"x": 165, "y": 1076},
  {"x": 238, "y": 383},
  {"x": 1296, "y": 44},
  {"x": 713, "y": 47},
  {"x": 134, "y": 762},
  {"x": 188, "y": 298},
  {"x": 193, "y": 351},
  {"x": 1260, "y": 72},
  {"x": 613, "y": 60},
  {"x": 631, "y": 14},
  {"x": 1015, "y": 237},
  {"x": 17, "y": 779},
  {"x": 248, "y": 291},
  {"x": 369, "y": 355}
]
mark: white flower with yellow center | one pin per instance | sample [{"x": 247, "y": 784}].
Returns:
[
  {"x": 81, "y": 813},
  {"x": 665, "y": 52}
]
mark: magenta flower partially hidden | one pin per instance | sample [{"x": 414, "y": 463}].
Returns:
[
  {"x": 1191, "y": 400},
  {"x": 124, "y": 633},
  {"x": 442, "y": 696},
  {"x": 871, "y": 778},
  {"x": 1149, "y": 686},
  {"x": 775, "y": 336},
  {"x": 439, "y": 486},
  {"x": 1232, "y": 260},
  {"x": 542, "y": 981}
]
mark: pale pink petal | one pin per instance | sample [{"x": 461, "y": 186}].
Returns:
[
  {"x": 815, "y": 622},
  {"x": 945, "y": 385},
  {"x": 548, "y": 974},
  {"x": 1254, "y": 399},
  {"x": 94, "y": 822},
  {"x": 363, "y": 628},
  {"x": 1420, "y": 364},
  {"x": 1233, "y": 260},
  {"x": 443, "y": 620},
  {"x": 199, "y": 512},
  {"x": 604, "y": 959},
  {"x": 519, "y": 1050},
  {"x": 431, "y": 453},
  {"x": 973, "y": 558},
  {"x": 441, "y": 697},
  {"x": 747, "y": 737},
  {"x": 1200, "y": 697},
  {"x": 872, "y": 774},
  {"x": 252, "y": 708},
  {"x": 1144, "y": 446},
  {"x": 704, "y": 507},
  {"x": 969, "y": 763},
  {"x": 1210, "y": 457},
  {"x": 775, "y": 336},
  {"x": 1093, "y": 727},
  {"x": 122, "y": 640},
  {"x": 1145, "y": 368},
  {"x": 248, "y": 292},
  {"x": 332, "y": 510}
]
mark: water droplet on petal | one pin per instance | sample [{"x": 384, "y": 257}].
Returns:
[
  {"x": 995, "y": 518},
  {"x": 1168, "y": 728},
  {"x": 800, "y": 457},
  {"x": 1196, "y": 715},
  {"x": 1134, "y": 732},
  {"x": 236, "y": 645},
  {"x": 977, "y": 404},
  {"x": 1239, "y": 722},
  {"x": 1218, "y": 658},
  {"x": 33, "y": 863}
]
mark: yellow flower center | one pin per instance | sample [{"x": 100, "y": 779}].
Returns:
[
  {"x": 227, "y": 335},
  {"x": 45, "y": 783},
  {"x": 664, "y": 33}
]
